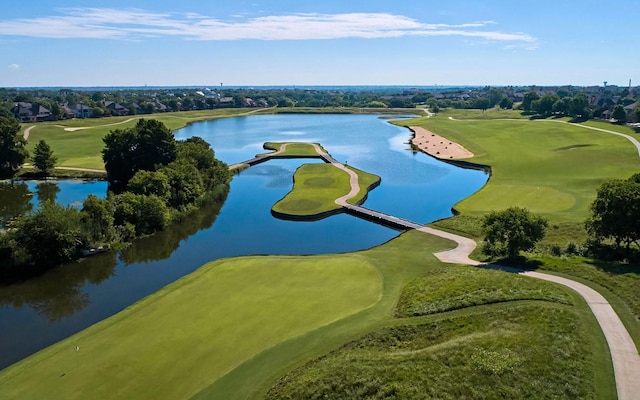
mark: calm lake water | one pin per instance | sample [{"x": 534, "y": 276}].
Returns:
[{"x": 44, "y": 310}]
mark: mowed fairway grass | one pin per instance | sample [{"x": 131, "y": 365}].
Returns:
[
  {"x": 189, "y": 334},
  {"x": 550, "y": 167},
  {"x": 81, "y": 148}
]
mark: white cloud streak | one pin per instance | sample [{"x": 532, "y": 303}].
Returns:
[
  {"x": 14, "y": 67},
  {"x": 132, "y": 24}
]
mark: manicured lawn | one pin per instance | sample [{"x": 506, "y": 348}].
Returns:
[
  {"x": 492, "y": 113},
  {"x": 293, "y": 149},
  {"x": 186, "y": 336},
  {"x": 551, "y": 168},
  {"x": 317, "y": 186}
]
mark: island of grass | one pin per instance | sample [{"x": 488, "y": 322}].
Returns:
[{"x": 316, "y": 188}]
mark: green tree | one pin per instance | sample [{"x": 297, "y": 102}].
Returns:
[
  {"x": 43, "y": 158},
  {"x": 98, "y": 112},
  {"x": 51, "y": 235},
  {"x": 97, "y": 220},
  {"x": 186, "y": 182},
  {"x": 560, "y": 107},
  {"x": 616, "y": 211},
  {"x": 481, "y": 103},
  {"x": 579, "y": 107},
  {"x": 512, "y": 230},
  {"x": 619, "y": 114},
  {"x": 494, "y": 95},
  {"x": 13, "y": 152},
  {"x": 529, "y": 98},
  {"x": 150, "y": 182},
  {"x": 506, "y": 103},
  {"x": 147, "y": 214},
  {"x": 145, "y": 147},
  {"x": 544, "y": 105}
]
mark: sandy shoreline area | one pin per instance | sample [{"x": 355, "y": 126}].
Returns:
[{"x": 436, "y": 145}]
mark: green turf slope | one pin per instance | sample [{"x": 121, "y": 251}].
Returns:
[{"x": 179, "y": 340}]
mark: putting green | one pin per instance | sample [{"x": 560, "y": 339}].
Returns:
[
  {"x": 184, "y": 337},
  {"x": 317, "y": 186},
  {"x": 538, "y": 199}
]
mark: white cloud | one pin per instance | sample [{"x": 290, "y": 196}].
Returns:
[
  {"x": 107, "y": 23},
  {"x": 14, "y": 67}
]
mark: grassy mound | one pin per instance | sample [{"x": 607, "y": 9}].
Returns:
[
  {"x": 451, "y": 288},
  {"x": 515, "y": 352}
]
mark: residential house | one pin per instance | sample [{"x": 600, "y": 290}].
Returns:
[
  {"x": 115, "y": 108},
  {"x": 77, "y": 111},
  {"x": 631, "y": 117},
  {"x": 31, "y": 112}
]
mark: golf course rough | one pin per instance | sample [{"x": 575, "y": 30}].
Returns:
[{"x": 177, "y": 341}]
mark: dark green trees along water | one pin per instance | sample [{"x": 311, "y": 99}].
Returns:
[
  {"x": 154, "y": 180},
  {"x": 12, "y": 147}
]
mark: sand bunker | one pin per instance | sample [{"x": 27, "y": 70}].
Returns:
[{"x": 436, "y": 145}]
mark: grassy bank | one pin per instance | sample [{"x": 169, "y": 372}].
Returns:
[{"x": 233, "y": 327}]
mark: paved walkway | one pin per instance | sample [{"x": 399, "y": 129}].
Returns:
[{"x": 25, "y": 135}]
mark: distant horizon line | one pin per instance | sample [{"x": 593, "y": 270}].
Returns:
[{"x": 292, "y": 86}]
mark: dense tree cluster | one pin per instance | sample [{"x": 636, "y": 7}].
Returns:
[{"x": 159, "y": 179}]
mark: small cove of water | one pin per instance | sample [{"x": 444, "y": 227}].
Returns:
[{"x": 414, "y": 186}]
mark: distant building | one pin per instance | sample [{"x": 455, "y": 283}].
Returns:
[
  {"x": 30, "y": 112},
  {"x": 631, "y": 117},
  {"x": 77, "y": 111}
]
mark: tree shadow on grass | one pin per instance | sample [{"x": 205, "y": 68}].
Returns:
[
  {"x": 514, "y": 264},
  {"x": 615, "y": 267}
]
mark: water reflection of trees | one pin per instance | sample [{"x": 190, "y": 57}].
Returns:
[
  {"x": 58, "y": 293},
  {"x": 161, "y": 245},
  {"x": 15, "y": 200},
  {"x": 47, "y": 191}
]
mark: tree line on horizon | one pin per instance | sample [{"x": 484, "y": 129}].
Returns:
[{"x": 577, "y": 102}]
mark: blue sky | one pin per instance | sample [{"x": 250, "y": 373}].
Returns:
[{"x": 329, "y": 42}]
